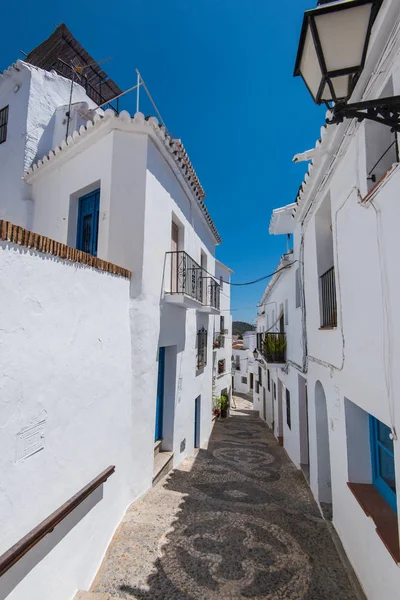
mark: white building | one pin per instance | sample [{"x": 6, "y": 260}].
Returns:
[
  {"x": 345, "y": 241},
  {"x": 280, "y": 389},
  {"x": 242, "y": 370},
  {"x": 222, "y": 340},
  {"x": 106, "y": 365}
]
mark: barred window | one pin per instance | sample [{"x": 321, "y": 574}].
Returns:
[
  {"x": 259, "y": 375},
  {"x": 221, "y": 366},
  {"x": 222, "y": 324},
  {"x": 257, "y": 387},
  {"x": 201, "y": 348},
  {"x": 288, "y": 415},
  {"x": 269, "y": 380},
  {"x": 3, "y": 124},
  {"x": 244, "y": 379}
]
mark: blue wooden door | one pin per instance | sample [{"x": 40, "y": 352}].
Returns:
[
  {"x": 88, "y": 222},
  {"x": 197, "y": 422},
  {"x": 160, "y": 395}
]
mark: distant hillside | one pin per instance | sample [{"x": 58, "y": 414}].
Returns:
[{"x": 239, "y": 327}]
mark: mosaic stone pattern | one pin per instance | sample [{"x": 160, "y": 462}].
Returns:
[{"x": 237, "y": 522}]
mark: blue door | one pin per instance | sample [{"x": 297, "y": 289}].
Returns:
[
  {"x": 197, "y": 422},
  {"x": 160, "y": 395},
  {"x": 88, "y": 222}
]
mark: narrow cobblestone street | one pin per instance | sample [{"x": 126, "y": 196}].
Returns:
[{"x": 236, "y": 522}]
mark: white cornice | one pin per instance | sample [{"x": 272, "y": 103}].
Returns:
[{"x": 172, "y": 150}]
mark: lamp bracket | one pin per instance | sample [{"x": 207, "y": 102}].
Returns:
[{"x": 382, "y": 110}]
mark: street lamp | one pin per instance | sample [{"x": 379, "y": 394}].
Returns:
[
  {"x": 331, "y": 56},
  {"x": 255, "y": 353}
]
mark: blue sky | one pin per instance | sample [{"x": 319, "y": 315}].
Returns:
[{"x": 220, "y": 72}]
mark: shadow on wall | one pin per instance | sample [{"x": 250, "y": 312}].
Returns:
[
  {"x": 247, "y": 527},
  {"x": 27, "y": 563}
]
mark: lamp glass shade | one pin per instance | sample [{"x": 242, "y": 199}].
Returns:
[
  {"x": 343, "y": 35},
  {"x": 333, "y": 47},
  {"x": 309, "y": 67}
]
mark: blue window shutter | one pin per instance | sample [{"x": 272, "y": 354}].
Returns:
[{"x": 382, "y": 457}]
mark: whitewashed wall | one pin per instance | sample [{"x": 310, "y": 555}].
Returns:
[
  {"x": 355, "y": 363},
  {"x": 33, "y": 96},
  {"x": 246, "y": 359},
  {"x": 281, "y": 292},
  {"x": 66, "y": 361},
  {"x": 223, "y": 382}
]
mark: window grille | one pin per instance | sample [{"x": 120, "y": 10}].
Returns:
[
  {"x": 222, "y": 324},
  {"x": 260, "y": 375},
  {"x": 221, "y": 366},
  {"x": 298, "y": 287},
  {"x": 201, "y": 348},
  {"x": 269, "y": 380},
  {"x": 3, "y": 124},
  {"x": 257, "y": 387},
  {"x": 244, "y": 379}
]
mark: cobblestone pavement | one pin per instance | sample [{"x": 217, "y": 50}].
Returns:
[{"x": 236, "y": 522}]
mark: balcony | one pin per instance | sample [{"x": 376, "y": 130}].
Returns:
[
  {"x": 211, "y": 295},
  {"x": 272, "y": 346},
  {"x": 188, "y": 285},
  {"x": 328, "y": 299},
  {"x": 219, "y": 342}
]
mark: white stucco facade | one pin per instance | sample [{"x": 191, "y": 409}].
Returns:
[
  {"x": 242, "y": 369},
  {"x": 344, "y": 224},
  {"x": 66, "y": 367},
  {"x": 222, "y": 341},
  {"x": 146, "y": 329}
]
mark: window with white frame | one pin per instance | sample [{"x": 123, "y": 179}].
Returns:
[{"x": 325, "y": 264}]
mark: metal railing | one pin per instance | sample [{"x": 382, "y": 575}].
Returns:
[
  {"x": 62, "y": 68},
  {"x": 328, "y": 299},
  {"x": 16, "y": 552},
  {"x": 187, "y": 277},
  {"x": 212, "y": 292},
  {"x": 272, "y": 345},
  {"x": 385, "y": 161}
]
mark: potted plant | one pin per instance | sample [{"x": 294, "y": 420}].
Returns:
[
  {"x": 274, "y": 347},
  {"x": 223, "y": 405}
]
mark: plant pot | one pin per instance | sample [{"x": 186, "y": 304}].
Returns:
[{"x": 224, "y": 413}]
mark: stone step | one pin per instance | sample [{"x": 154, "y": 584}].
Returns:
[
  {"x": 157, "y": 447},
  {"x": 162, "y": 465},
  {"x": 95, "y": 596}
]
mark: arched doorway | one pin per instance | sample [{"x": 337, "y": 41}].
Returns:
[{"x": 323, "y": 454}]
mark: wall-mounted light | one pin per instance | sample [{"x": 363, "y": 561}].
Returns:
[{"x": 332, "y": 51}]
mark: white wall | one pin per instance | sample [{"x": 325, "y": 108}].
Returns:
[
  {"x": 66, "y": 360},
  {"x": 246, "y": 369},
  {"x": 33, "y": 96},
  {"x": 223, "y": 382},
  {"x": 356, "y": 361}
]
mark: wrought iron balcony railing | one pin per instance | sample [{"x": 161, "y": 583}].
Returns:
[
  {"x": 328, "y": 299},
  {"x": 272, "y": 345},
  {"x": 212, "y": 292},
  {"x": 186, "y": 277}
]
